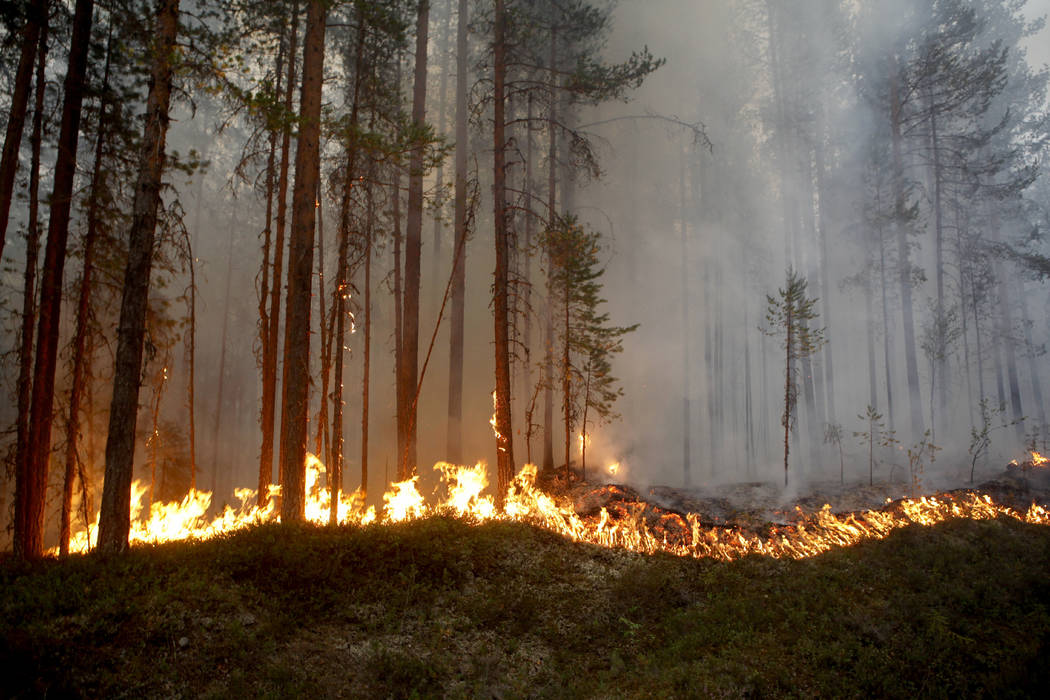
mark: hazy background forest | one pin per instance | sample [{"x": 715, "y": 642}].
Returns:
[{"x": 892, "y": 152}]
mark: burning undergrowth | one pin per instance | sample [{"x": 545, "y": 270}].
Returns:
[{"x": 730, "y": 524}]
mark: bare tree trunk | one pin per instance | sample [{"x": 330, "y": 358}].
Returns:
[
  {"x": 787, "y": 391},
  {"x": 80, "y": 358},
  {"x": 456, "y": 328},
  {"x": 413, "y": 248},
  {"x": 25, "y": 352},
  {"x": 446, "y": 66},
  {"x": 504, "y": 438},
  {"x": 216, "y": 485},
  {"x": 115, "y": 515},
  {"x": 269, "y": 393},
  {"x": 269, "y": 351},
  {"x": 296, "y": 384},
  {"x": 35, "y": 26},
  {"x": 686, "y": 420},
  {"x": 366, "y": 367},
  {"x": 904, "y": 262},
  {"x": 552, "y": 218},
  {"x": 29, "y": 504},
  {"x": 191, "y": 398}
]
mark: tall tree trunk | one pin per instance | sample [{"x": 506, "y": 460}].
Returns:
[
  {"x": 29, "y": 504},
  {"x": 366, "y": 364},
  {"x": 80, "y": 357},
  {"x": 191, "y": 388},
  {"x": 324, "y": 332},
  {"x": 504, "y": 438},
  {"x": 446, "y": 67},
  {"x": 1033, "y": 366},
  {"x": 686, "y": 420},
  {"x": 269, "y": 351},
  {"x": 115, "y": 515},
  {"x": 25, "y": 352},
  {"x": 409, "y": 374},
  {"x": 269, "y": 397},
  {"x": 941, "y": 362},
  {"x": 342, "y": 284},
  {"x": 296, "y": 382},
  {"x": 787, "y": 391},
  {"x": 459, "y": 271},
  {"x": 825, "y": 269},
  {"x": 217, "y": 485},
  {"x": 552, "y": 219},
  {"x": 904, "y": 260},
  {"x": 35, "y": 26}
]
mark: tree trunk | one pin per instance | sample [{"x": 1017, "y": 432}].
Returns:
[
  {"x": 446, "y": 67},
  {"x": 552, "y": 218},
  {"x": 269, "y": 394},
  {"x": 25, "y": 352},
  {"x": 269, "y": 352},
  {"x": 115, "y": 515},
  {"x": 366, "y": 367},
  {"x": 686, "y": 420},
  {"x": 80, "y": 357},
  {"x": 413, "y": 247},
  {"x": 296, "y": 381},
  {"x": 788, "y": 409},
  {"x": 504, "y": 437},
  {"x": 35, "y": 26},
  {"x": 456, "y": 320},
  {"x": 904, "y": 261},
  {"x": 216, "y": 485},
  {"x": 29, "y": 504}
]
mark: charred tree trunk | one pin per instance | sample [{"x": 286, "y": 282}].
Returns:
[
  {"x": 29, "y": 503},
  {"x": 459, "y": 271},
  {"x": 296, "y": 383},
  {"x": 35, "y": 28},
  {"x": 115, "y": 516},
  {"x": 366, "y": 364},
  {"x": 504, "y": 437}
]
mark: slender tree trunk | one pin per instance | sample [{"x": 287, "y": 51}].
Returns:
[
  {"x": 904, "y": 260},
  {"x": 324, "y": 332},
  {"x": 566, "y": 384},
  {"x": 29, "y": 504},
  {"x": 269, "y": 351},
  {"x": 504, "y": 438},
  {"x": 456, "y": 319},
  {"x": 887, "y": 341},
  {"x": 35, "y": 26},
  {"x": 296, "y": 382},
  {"x": 413, "y": 248},
  {"x": 787, "y": 391},
  {"x": 446, "y": 67},
  {"x": 115, "y": 515},
  {"x": 1033, "y": 366},
  {"x": 216, "y": 453},
  {"x": 552, "y": 221},
  {"x": 25, "y": 352},
  {"x": 825, "y": 271},
  {"x": 269, "y": 393},
  {"x": 191, "y": 398},
  {"x": 80, "y": 358},
  {"x": 366, "y": 367},
  {"x": 686, "y": 421}
]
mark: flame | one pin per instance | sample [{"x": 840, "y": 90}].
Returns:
[
  {"x": 1038, "y": 460},
  {"x": 810, "y": 534},
  {"x": 613, "y": 468}
]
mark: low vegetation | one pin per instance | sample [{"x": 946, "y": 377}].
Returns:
[{"x": 438, "y": 607}]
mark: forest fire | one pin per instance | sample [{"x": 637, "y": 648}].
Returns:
[{"x": 623, "y": 527}]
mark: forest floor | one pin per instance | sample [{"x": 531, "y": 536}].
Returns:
[{"x": 442, "y": 608}]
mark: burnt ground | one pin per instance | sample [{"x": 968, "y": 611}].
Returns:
[{"x": 755, "y": 506}]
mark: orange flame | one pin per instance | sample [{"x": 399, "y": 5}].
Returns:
[{"x": 810, "y": 535}]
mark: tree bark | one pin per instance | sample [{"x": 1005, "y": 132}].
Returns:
[
  {"x": 29, "y": 504},
  {"x": 115, "y": 515},
  {"x": 35, "y": 26},
  {"x": 457, "y": 316},
  {"x": 552, "y": 218},
  {"x": 504, "y": 437},
  {"x": 409, "y": 374},
  {"x": 25, "y": 352},
  {"x": 80, "y": 357},
  {"x": 296, "y": 383},
  {"x": 269, "y": 394}
]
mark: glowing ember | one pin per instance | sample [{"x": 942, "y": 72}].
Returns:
[
  {"x": 810, "y": 535},
  {"x": 614, "y": 468}
]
